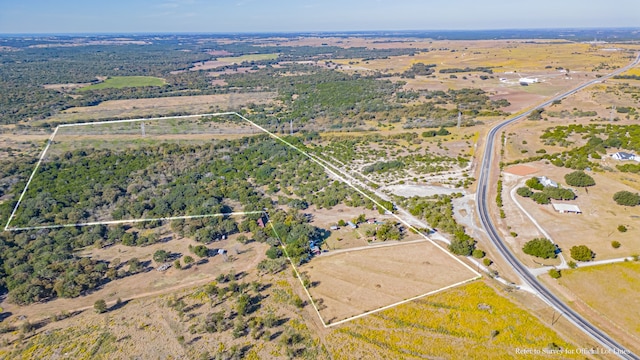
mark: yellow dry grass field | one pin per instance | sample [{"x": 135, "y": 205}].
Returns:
[
  {"x": 161, "y": 106},
  {"x": 467, "y": 322},
  {"x": 597, "y": 226},
  {"x": 611, "y": 290},
  {"x": 350, "y": 283}
]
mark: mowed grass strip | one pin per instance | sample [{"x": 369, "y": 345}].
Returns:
[
  {"x": 467, "y": 322},
  {"x": 119, "y": 82}
]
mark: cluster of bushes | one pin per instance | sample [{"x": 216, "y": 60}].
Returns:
[
  {"x": 545, "y": 193},
  {"x": 626, "y": 198}
]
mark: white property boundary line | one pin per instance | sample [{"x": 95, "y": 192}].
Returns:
[
  {"x": 476, "y": 276},
  {"x": 46, "y": 148}
]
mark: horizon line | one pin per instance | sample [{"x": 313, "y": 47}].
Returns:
[{"x": 316, "y": 31}]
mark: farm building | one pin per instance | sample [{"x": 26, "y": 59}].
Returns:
[
  {"x": 352, "y": 225},
  {"x": 547, "y": 182},
  {"x": 334, "y": 227},
  {"x": 621, "y": 155},
  {"x": 566, "y": 208},
  {"x": 527, "y": 81}
]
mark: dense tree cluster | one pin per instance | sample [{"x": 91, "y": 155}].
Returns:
[
  {"x": 540, "y": 247},
  {"x": 626, "y": 198},
  {"x": 579, "y": 178},
  {"x": 582, "y": 253}
]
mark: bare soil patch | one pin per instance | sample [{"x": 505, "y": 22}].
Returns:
[
  {"x": 354, "y": 282},
  {"x": 521, "y": 170}
]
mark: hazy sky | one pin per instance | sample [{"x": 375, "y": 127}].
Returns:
[{"x": 88, "y": 16}]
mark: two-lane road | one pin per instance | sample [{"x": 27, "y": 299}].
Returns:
[{"x": 482, "y": 205}]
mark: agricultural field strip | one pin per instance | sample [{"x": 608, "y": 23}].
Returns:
[{"x": 46, "y": 148}]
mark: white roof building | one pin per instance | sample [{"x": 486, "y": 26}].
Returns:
[
  {"x": 547, "y": 182},
  {"x": 566, "y": 208},
  {"x": 621, "y": 155}
]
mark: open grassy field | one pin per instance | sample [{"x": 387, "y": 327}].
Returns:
[
  {"x": 349, "y": 283},
  {"x": 160, "y": 106},
  {"x": 467, "y": 322},
  {"x": 611, "y": 290},
  {"x": 119, "y": 82},
  {"x": 597, "y": 226},
  {"x": 248, "y": 58}
]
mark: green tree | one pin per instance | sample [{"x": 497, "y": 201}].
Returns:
[
  {"x": 160, "y": 256},
  {"x": 534, "y": 183},
  {"x": 478, "y": 254},
  {"x": 555, "y": 273},
  {"x": 177, "y": 264},
  {"x": 524, "y": 192},
  {"x": 541, "y": 198},
  {"x": 581, "y": 253},
  {"x": 626, "y": 198},
  {"x": 615, "y": 244},
  {"x": 579, "y": 178},
  {"x": 622, "y": 228},
  {"x": 188, "y": 260},
  {"x": 274, "y": 252},
  {"x": 100, "y": 306},
  {"x": 540, "y": 247},
  {"x": 487, "y": 261}
]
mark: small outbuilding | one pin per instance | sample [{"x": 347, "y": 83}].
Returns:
[
  {"x": 352, "y": 225},
  {"x": 567, "y": 208}
]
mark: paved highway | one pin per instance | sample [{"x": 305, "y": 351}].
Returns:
[{"x": 482, "y": 206}]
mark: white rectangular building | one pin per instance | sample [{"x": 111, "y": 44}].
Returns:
[{"x": 566, "y": 208}]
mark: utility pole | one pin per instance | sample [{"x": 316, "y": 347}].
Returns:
[
  {"x": 291, "y": 126},
  {"x": 613, "y": 109},
  {"x": 459, "y": 118},
  {"x": 142, "y": 128}
]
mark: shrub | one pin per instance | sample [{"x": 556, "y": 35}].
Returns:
[
  {"x": 615, "y": 244},
  {"x": 478, "y": 254},
  {"x": 572, "y": 264},
  {"x": 582, "y": 253},
  {"x": 555, "y": 273},
  {"x": 100, "y": 306},
  {"x": 534, "y": 183},
  {"x": 540, "y": 247},
  {"x": 541, "y": 198},
  {"x": 622, "y": 228},
  {"x": 524, "y": 192},
  {"x": 579, "y": 178},
  {"x": 626, "y": 198},
  {"x": 487, "y": 262}
]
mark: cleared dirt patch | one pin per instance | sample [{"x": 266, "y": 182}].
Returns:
[
  {"x": 355, "y": 282},
  {"x": 521, "y": 170}
]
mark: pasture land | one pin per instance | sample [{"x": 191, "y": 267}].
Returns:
[
  {"x": 119, "y": 109},
  {"x": 596, "y": 227},
  {"x": 248, "y": 58},
  {"x": 468, "y": 322},
  {"x": 185, "y": 323},
  {"x": 611, "y": 290},
  {"x": 352, "y": 282},
  {"x": 119, "y": 82}
]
